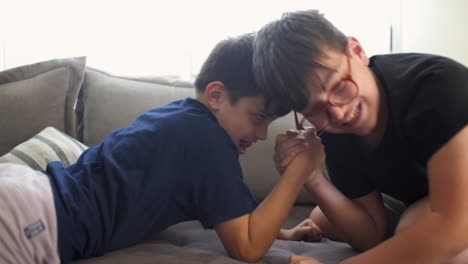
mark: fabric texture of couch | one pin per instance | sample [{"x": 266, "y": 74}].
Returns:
[{"x": 83, "y": 104}]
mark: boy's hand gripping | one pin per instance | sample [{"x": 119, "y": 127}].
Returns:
[{"x": 303, "y": 146}]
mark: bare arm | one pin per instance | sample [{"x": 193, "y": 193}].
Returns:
[
  {"x": 360, "y": 222},
  {"x": 248, "y": 237},
  {"x": 444, "y": 232}
]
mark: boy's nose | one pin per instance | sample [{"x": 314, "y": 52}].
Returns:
[{"x": 262, "y": 132}]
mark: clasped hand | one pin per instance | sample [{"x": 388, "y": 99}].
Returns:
[{"x": 295, "y": 143}]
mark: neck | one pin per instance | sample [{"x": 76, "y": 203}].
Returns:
[{"x": 202, "y": 99}]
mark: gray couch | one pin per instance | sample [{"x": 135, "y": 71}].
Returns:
[{"x": 86, "y": 104}]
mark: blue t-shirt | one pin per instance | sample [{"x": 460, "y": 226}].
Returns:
[{"x": 173, "y": 164}]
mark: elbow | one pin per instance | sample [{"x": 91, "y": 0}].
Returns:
[
  {"x": 247, "y": 254},
  {"x": 363, "y": 246},
  {"x": 369, "y": 241},
  {"x": 250, "y": 258}
]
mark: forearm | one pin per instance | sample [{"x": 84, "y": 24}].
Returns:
[
  {"x": 344, "y": 219},
  {"x": 433, "y": 239},
  {"x": 266, "y": 221}
]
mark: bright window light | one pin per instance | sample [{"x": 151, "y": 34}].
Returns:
[{"x": 164, "y": 38}]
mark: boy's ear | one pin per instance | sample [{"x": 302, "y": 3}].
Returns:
[
  {"x": 356, "y": 49},
  {"x": 216, "y": 95}
]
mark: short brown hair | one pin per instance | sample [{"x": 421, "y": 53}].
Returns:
[
  {"x": 230, "y": 62},
  {"x": 287, "y": 50}
]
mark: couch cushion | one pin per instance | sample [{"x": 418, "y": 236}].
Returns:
[
  {"x": 189, "y": 243},
  {"x": 35, "y": 96},
  {"x": 48, "y": 145},
  {"x": 107, "y": 102}
]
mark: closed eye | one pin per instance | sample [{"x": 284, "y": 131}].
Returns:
[{"x": 260, "y": 117}]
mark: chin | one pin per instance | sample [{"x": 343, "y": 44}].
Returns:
[
  {"x": 366, "y": 131},
  {"x": 363, "y": 131}
]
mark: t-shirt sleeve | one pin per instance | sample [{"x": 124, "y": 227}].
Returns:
[
  {"x": 439, "y": 109},
  {"x": 220, "y": 193}
]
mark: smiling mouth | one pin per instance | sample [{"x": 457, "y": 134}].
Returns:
[
  {"x": 243, "y": 145},
  {"x": 353, "y": 116}
]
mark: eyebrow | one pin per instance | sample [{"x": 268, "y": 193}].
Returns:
[
  {"x": 330, "y": 72},
  {"x": 326, "y": 83}
]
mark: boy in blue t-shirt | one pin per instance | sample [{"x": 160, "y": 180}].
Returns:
[{"x": 177, "y": 163}]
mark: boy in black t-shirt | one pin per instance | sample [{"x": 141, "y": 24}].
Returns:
[{"x": 394, "y": 124}]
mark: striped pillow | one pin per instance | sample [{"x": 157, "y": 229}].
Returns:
[{"x": 49, "y": 145}]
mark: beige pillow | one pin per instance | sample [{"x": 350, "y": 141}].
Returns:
[
  {"x": 49, "y": 145},
  {"x": 35, "y": 96},
  {"x": 107, "y": 102}
]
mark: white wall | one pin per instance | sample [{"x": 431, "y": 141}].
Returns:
[
  {"x": 148, "y": 37},
  {"x": 2, "y": 55},
  {"x": 435, "y": 26}
]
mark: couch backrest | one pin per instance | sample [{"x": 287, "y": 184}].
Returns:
[
  {"x": 108, "y": 102},
  {"x": 36, "y": 96}
]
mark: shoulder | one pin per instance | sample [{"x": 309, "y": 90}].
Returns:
[
  {"x": 409, "y": 60},
  {"x": 414, "y": 66},
  {"x": 413, "y": 80},
  {"x": 188, "y": 116},
  {"x": 426, "y": 96},
  {"x": 191, "y": 123},
  {"x": 179, "y": 121}
]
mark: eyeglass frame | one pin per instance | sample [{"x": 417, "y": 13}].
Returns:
[{"x": 348, "y": 78}]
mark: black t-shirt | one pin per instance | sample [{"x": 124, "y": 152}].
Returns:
[{"x": 427, "y": 98}]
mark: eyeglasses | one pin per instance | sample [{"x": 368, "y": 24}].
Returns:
[
  {"x": 300, "y": 125},
  {"x": 339, "y": 95}
]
